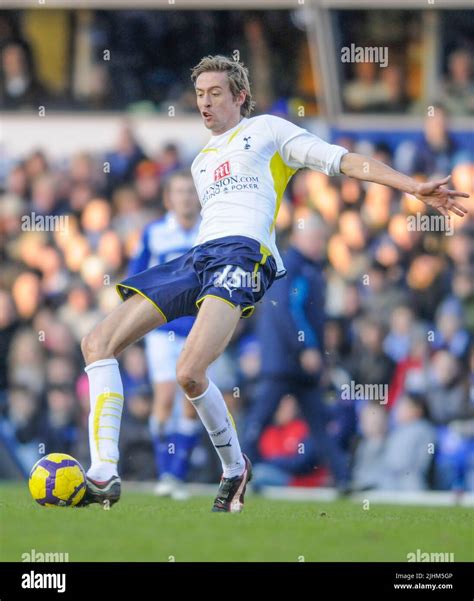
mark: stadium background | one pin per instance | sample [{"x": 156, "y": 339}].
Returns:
[{"x": 79, "y": 88}]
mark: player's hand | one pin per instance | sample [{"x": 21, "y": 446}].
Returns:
[
  {"x": 435, "y": 195},
  {"x": 311, "y": 360}
]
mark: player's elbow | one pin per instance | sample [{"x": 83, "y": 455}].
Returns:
[{"x": 352, "y": 164}]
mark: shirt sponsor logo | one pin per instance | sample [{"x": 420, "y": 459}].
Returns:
[
  {"x": 232, "y": 183},
  {"x": 222, "y": 171}
]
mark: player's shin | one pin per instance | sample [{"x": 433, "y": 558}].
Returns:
[
  {"x": 106, "y": 399},
  {"x": 212, "y": 410}
]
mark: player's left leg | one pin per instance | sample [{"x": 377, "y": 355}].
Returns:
[
  {"x": 208, "y": 338},
  {"x": 126, "y": 324},
  {"x": 151, "y": 298}
]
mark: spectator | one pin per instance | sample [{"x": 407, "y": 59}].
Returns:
[
  {"x": 8, "y": 326},
  {"x": 394, "y": 81},
  {"x": 19, "y": 85},
  {"x": 411, "y": 372},
  {"x": 450, "y": 333},
  {"x": 287, "y": 450},
  {"x": 381, "y": 296},
  {"x": 368, "y": 363},
  {"x": 409, "y": 448},
  {"x": 26, "y": 360},
  {"x": 458, "y": 88},
  {"x": 397, "y": 342},
  {"x": 434, "y": 153},
  {"x": 26, "y": 426},
  {"x": 368, "y": 463},
  {"x": 44, "y": 198},
  {"x": 447, "y": 389},
  {"x": 136, "y": 450},
  {"x": 61, "y": 424},
  {"x": 169, "y": 160},
  {"x": 463, "y": 289},
  {"x": 366, "y": 91},
  {"x": 134, "y": 370},
  {"x": 124, "y": 158},
  {"x": 77, "y": 312}
]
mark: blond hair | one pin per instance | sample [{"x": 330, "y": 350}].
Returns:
[{"x": 237, "y": 75}]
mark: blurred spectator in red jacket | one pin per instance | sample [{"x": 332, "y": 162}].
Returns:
[{"x": 288, "y": 451}]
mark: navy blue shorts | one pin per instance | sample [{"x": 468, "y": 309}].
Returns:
[{"x": 236, "y": 269}]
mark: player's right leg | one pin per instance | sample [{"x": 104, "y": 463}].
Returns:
[
  {"x": 212, "y": 331},
  {"x": 126, "y": 324}
]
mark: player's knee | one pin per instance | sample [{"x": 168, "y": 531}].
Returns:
[
  {"x": 189, "y": 379},
  {"x": 184, "y": 377},
  {"x": 94, "y": 347}
]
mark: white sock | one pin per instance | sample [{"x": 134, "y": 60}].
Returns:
[
  {"x": 217, "y": 420},
  {"x": 106, "y": 395}
]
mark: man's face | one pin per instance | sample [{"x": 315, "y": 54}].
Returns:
[
  {"x": 219, "y": 109},
  {"x": 182, "y": 198}
]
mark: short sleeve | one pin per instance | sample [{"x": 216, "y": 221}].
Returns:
[{"x": 299, "y": 148}]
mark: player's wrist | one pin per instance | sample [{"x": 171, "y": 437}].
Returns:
[{"x": 414, "y": 188}]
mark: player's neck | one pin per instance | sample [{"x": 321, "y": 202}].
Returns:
[{"x": 228, "y": 126}]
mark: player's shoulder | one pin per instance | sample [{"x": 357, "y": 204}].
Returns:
[
  {"x": 270, "y": 123},
  {"x": 259, "y": 121},
  {"x": 197, "y": 159}
]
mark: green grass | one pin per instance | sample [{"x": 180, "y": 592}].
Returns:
[{"x": 144, "y": 528}]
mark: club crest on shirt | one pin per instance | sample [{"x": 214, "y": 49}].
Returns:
[{"x": 222, "y": 171}]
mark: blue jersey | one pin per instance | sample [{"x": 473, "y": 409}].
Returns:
[{"x": 164, "y": 240}]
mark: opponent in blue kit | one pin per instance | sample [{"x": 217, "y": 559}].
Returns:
[{"x": 174, "y": 429}]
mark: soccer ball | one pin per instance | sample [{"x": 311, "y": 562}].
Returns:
[{"x": 58, "y": 480}]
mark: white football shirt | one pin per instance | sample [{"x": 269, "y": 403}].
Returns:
[{"x": 240, "y": 177}]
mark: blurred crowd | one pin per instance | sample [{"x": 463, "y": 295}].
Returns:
[
  {"x": 386, "y": 89},
  {"x": 393, "y": 77},
  {"x": 136, "y": 60},
  {"x": 399, "y": 312}
]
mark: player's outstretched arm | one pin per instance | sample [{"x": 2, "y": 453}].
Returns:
[{"x": 433, "y": 193}]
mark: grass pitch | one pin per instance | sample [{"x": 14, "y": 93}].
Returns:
[{"x": 144, "y": 528}]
